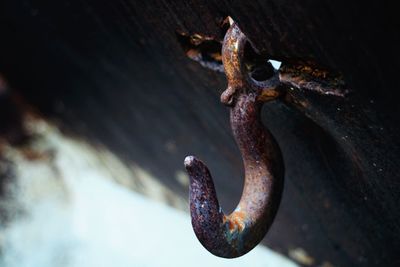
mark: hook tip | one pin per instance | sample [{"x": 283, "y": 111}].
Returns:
[
  {"x": 189, "y": 161},
  {"x": 195, "y": 168}
]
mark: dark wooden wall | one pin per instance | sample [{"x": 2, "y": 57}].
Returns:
[{"x": 114, "y": 72}]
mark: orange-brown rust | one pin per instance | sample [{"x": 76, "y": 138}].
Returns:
[
  {"x": 310, "y": 77},
  {"x": 236, "y": 221},
  {"x": 267, "y": 95}
]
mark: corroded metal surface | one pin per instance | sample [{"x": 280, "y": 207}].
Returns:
[
  {"x": 235, "y": 234},
  {"x": 307, "y": 76}
]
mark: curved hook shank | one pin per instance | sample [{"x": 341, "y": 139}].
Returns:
[{"x": 235, "y": 234}]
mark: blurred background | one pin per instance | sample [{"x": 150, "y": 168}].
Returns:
[
  {"x": 74, "y": 204},
  {"x": 101, "y": 101}
]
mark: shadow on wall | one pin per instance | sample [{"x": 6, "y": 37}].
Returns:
[{"x": 66, "y": 207}]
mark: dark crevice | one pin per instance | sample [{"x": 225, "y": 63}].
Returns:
[
  {"x": 258, "y": 66},
  {"x": 205, "y": 50},
  {"x": 296, "y": 73}
]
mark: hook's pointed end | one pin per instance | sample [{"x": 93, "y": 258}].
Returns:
[
  {"x": 194, "y": 167},
  {"x": 188, "y": 162},
  {"x": 209, "y": 223},
  {"x": 200, "y": 177},
  {"x": 206, "y": 214}
]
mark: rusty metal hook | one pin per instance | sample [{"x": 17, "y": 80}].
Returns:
[{"x": 236, "y": 234}]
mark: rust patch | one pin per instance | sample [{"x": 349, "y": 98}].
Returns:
[
  {"x": 203, "y": 49},
  {"x": 267, "y": 95},
  {"x": 236, "y": 221},
  {"x": 309, "y": 76}
]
